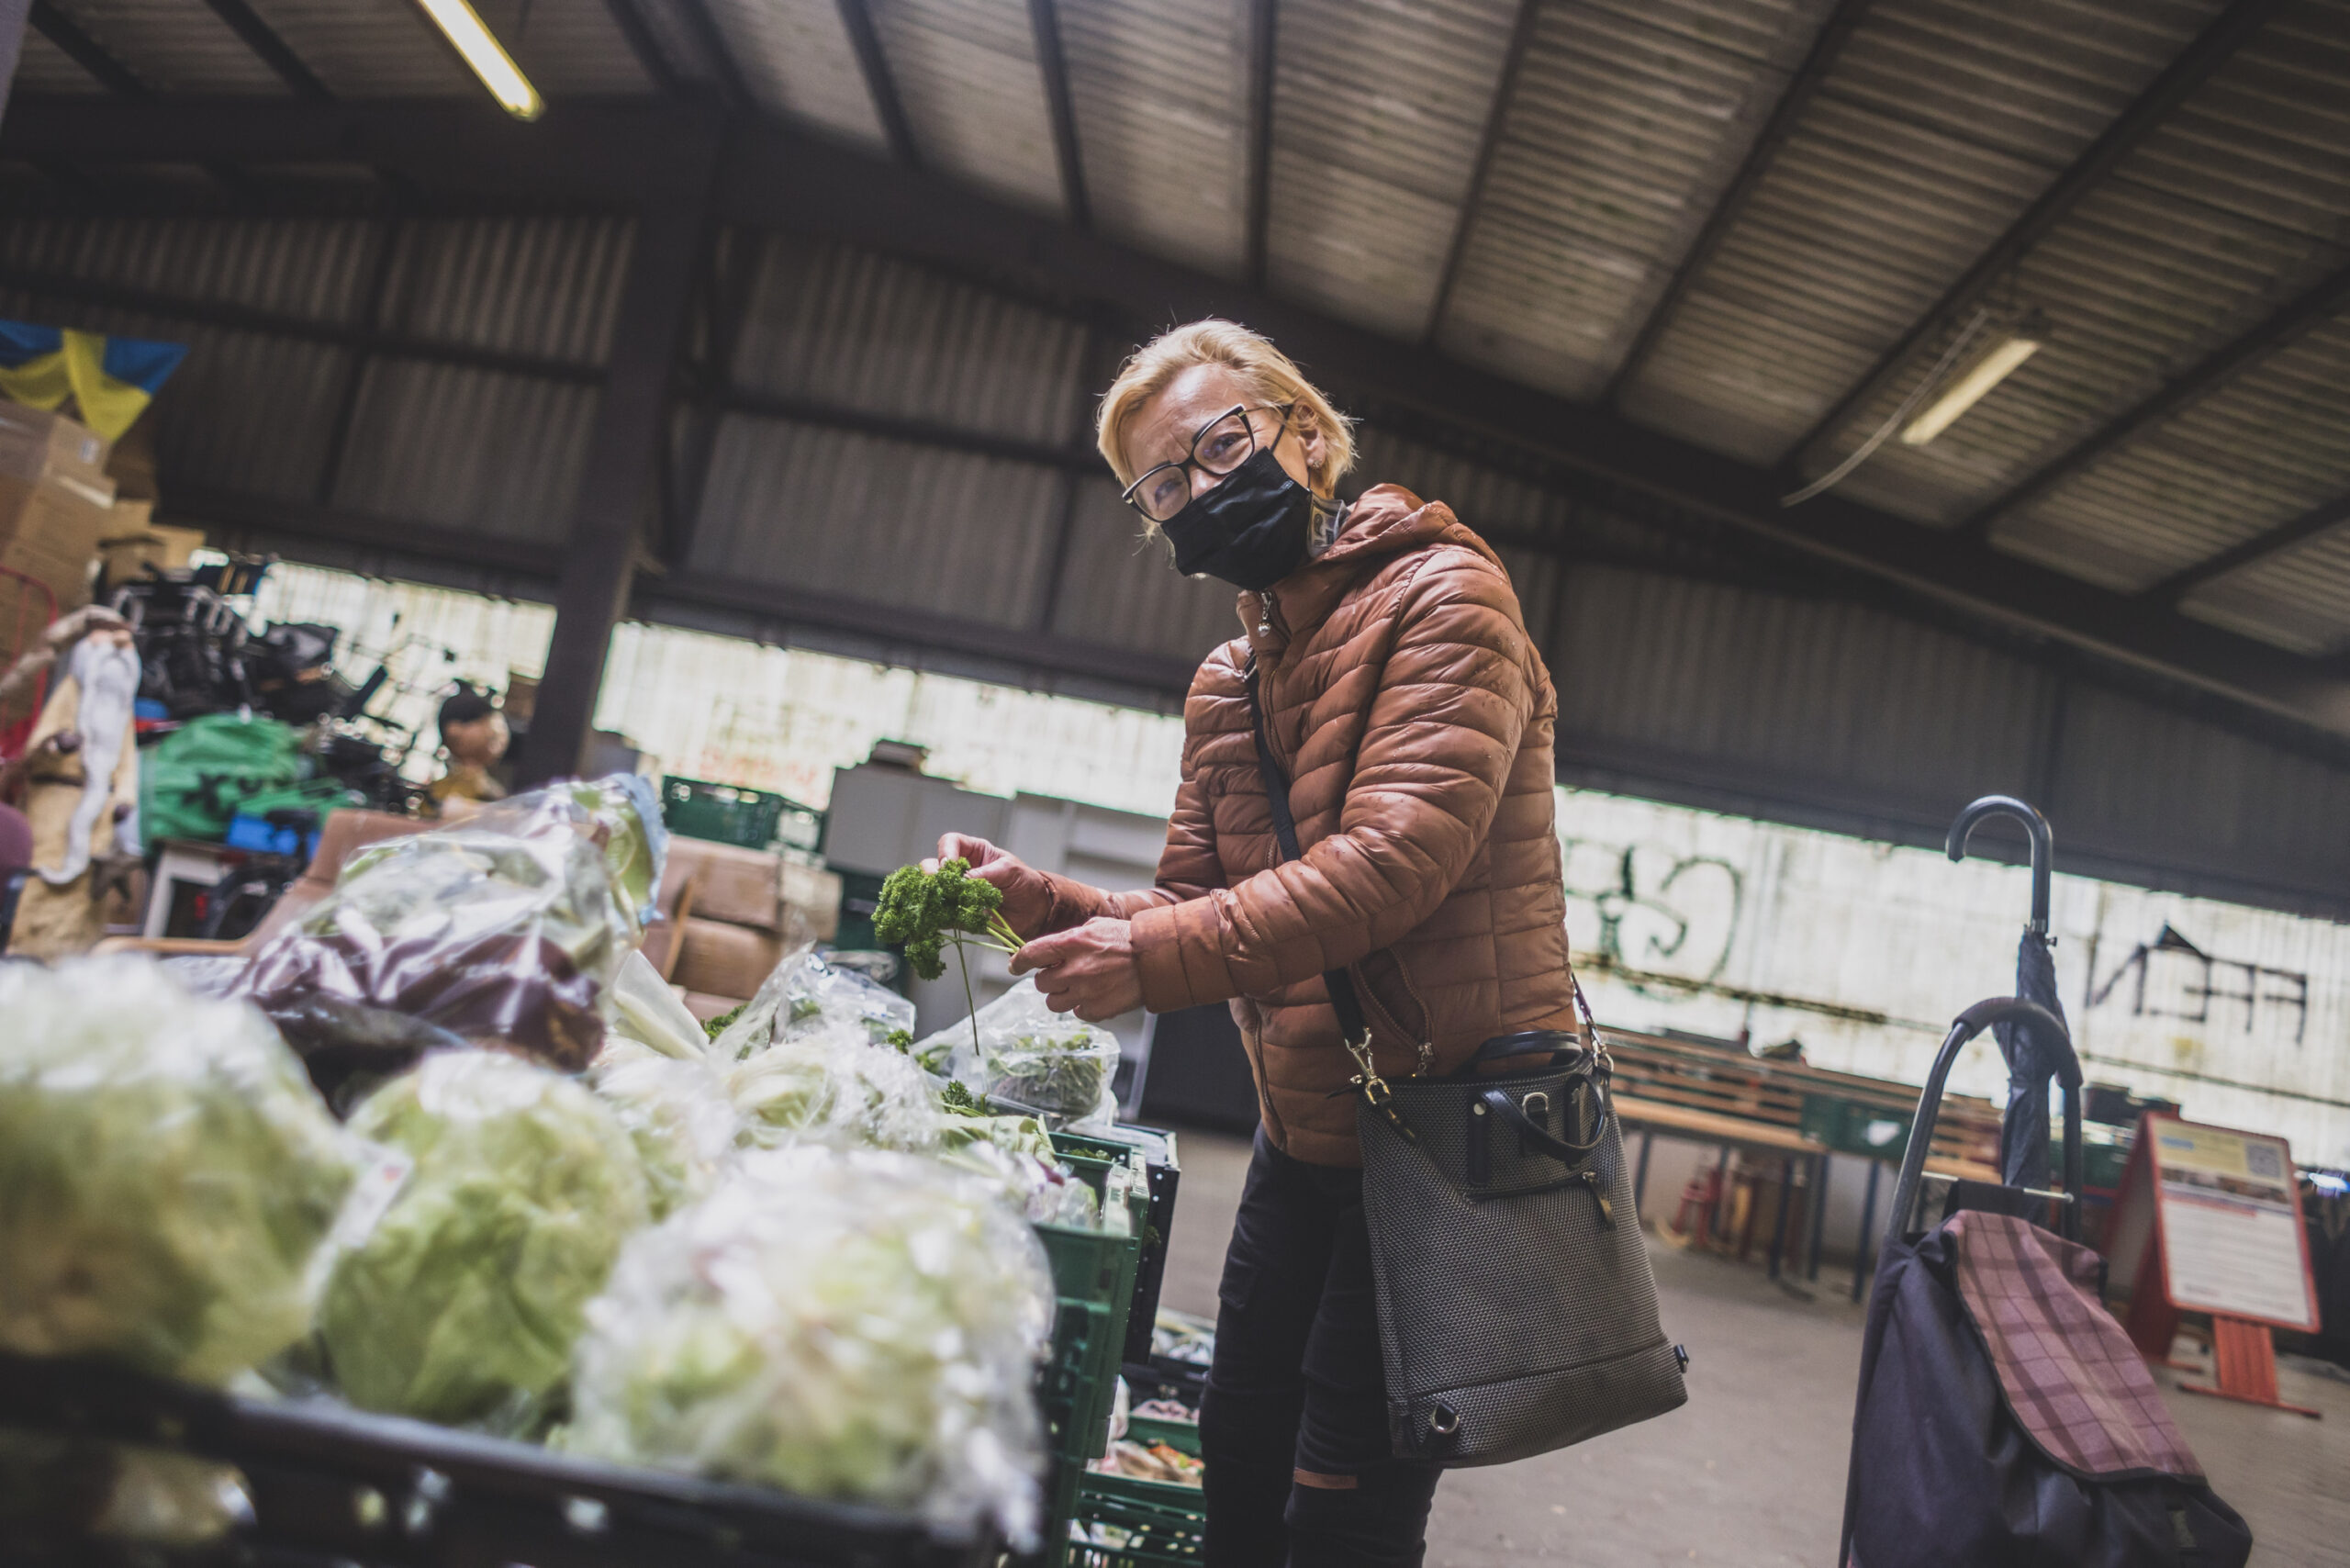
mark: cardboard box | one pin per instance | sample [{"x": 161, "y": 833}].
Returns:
[
  {"x": 133, "y": 540},
  {"x": 718, "y": 960},
  {"x": 742, "y": 887},
  {"x": 48, "y": 533},
  {"x": 37, "y": 446}
]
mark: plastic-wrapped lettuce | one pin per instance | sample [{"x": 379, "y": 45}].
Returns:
[
  {"x": 169, "y": 1180},
  {"x": 504, "y": 930},
  {"x": 808, "y": 996},
  {"x": 677, "y": 1114},
  {"x": 639, "y": 1007},
  {"x": 1031, "y": 1060},
  {"x": 835, "y": 1088},
  {"x": 853, "y": 1324},
  {"x": 635, "y": 842},
  {"x": 462, "y": 1305}
]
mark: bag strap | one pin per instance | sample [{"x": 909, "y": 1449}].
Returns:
[{"x": 1352, "y": 1027}]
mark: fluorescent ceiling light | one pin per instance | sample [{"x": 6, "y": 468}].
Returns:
[
  {"x": 458, "y": 21},
  {"x": 1996, "y": 365}
]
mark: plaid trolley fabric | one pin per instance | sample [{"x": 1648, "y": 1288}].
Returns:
[{"x": 2068, "y": 1370}]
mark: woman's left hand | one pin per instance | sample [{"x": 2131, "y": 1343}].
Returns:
[{"x": 1089, "y": 970}]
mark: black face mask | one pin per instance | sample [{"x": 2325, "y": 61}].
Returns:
[{"x": 1251, "y": 531}]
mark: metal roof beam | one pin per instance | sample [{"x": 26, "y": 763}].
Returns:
[
  {"x": 86, "y": 51},
  {"x": 1521, "y": 39},
  {"x": 269, "y": 48},
  {"x": 12, "y": 42},
  {"x": 1052, "y": 62},
  {"x": 2318, "y": 306},
  {"x": 880, "y": 83},
  {"x": 2269, "y": 542},
  {"x": 733, "y": 93},
  {"x": 780, "y": 179},
  {"x": 2212, "y": 49},
  {"x": 1264, "y": 33},
  {"x": 1802, "y": 87},
  {"x": 637, "y": 33}
]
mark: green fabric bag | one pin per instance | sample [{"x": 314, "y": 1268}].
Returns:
[{"x": 194, "y": 779}]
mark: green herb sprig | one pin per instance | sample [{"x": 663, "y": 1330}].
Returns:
[{"x": 923, "y": 911}]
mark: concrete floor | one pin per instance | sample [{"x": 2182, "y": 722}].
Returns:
[{"x": 1751, "y": 1471}]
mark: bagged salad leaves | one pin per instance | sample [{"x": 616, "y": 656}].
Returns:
[
  {"x": 853, "y": 1324},
  {"x": 171, "y": 1184},
  {"x": 677, "y": 1114},
  {"x": 634, "y": 840},
  {"x": 807, "y": 995},
  {"x": 835, "y": 1087},
  {"x": 502, "y": 929},
  {"x": 1031, "y": 1060},
  {"x": 462, "y": 1305}
]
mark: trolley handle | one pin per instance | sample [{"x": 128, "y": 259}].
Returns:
[{"x": 2055, "y": 1040}]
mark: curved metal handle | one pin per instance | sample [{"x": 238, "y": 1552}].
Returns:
[
  {"x": 2043, "y": 845},
  {"x": 2053, "y": 1038}
]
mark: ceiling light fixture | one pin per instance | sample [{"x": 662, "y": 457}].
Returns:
[
  {"x": 463, "y": 28},
  {"x": 1996, "y": 364}
]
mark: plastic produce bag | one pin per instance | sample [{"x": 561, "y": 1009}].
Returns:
[
  {"x": 640, "y": 1005},
  {"x": 860, "y": 1326},
  {"x": 834, "y": 1087},
  {"x": 462, "y": 1305},
  {"x": 806, "y": 996},
  {"x": 1032, "y": 1060},
  {"x": 677, "y": 1114},
  {"x": 56, "y": 1492},
  {"x": 635, "y": 842},
  {"x": 170, "y": 1182},
  {"x": 504, "y": 930}
]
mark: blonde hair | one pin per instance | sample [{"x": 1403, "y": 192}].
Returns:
[{"x": 1267, "y": 375}]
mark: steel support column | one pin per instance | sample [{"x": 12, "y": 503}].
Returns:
[{"x": 617, "y": 486}]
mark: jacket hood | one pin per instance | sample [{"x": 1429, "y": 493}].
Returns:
[{"x": 1385, "y": 522}]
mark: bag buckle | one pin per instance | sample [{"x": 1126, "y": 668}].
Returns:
[{"x": 1375, "y": 1092}]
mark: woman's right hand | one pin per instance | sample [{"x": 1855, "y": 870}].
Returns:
[{"x": 1027, "y": 893}]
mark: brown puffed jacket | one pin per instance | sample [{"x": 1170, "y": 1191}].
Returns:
[{"x": 1414, "y": 716}]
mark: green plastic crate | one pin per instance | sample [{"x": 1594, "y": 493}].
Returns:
[
  {"x": 1092, "y": 1269},
  {"x": 732, "y": 813},
  {"x": 1127, "y": 1523},
  {"x": 1874, "y": 1132}
]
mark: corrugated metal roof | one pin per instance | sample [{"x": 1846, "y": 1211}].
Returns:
[
  {"x": 537, "y": 285},
  {"x": 1939, "y": 124},
  {"x": 567, "y": 48},
  {"x": 967, "y": 71},
  {"x": 305, "y": 267},
  {"x": 42, "y": 67},
  {"x": 2260, "y": 452},
  {"x": 2234, "y": 204},
  {"x": 1123, "y": 591},
  {"x": 173, "y": 46},
  {"x": 876, "y": 520},
  {"x": 1378, "y": 111},
  {"x": 369, "y": 49},
  {"x": 860, "y": 331},
  {"x": 796, "y": 57},
  {"x": 2299, "y": 598},
  {"x": 435, "y": 443},
  {"x": 1726, "y": 681},
  {"x": 1626, "y": 121},
  {"x": 1159, "y": 92}
]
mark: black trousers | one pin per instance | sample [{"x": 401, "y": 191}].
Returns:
[{"x": 1294, "y": 1425}]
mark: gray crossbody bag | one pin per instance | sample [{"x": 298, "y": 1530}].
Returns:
[{"x": 1516, "y": 1312}]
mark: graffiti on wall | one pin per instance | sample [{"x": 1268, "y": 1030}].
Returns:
[
  {"x": 1660, "y": 913},
  {"x": 2172, "y": 978}
]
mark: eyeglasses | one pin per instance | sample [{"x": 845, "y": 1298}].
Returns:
[{"x": 1222, "y": 444}]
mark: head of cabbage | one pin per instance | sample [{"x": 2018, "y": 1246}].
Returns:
[
  {"x": 461, "y": 1304},
  {"x": 168, "y": 1176},
  {"x": 833, "y": 1086},
  {"x": 847, "y": 1324}
]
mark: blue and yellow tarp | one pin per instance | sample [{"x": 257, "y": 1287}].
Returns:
[{"x": 111, "y": 380}]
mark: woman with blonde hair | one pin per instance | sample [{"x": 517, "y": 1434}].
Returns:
[{"x": 1408, "y": 711}]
